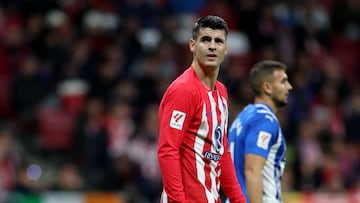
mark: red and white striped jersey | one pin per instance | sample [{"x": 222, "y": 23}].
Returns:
[{"x": 193, "y": 147}]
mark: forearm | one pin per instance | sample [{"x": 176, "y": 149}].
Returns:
[
  {"x": 229, "y": 181},
  {"x": 171, "y": 176},
  {"x": 254, "y": 186}
]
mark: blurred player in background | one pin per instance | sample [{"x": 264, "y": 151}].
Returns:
[
  {"x": 256, "y": 142},
  {"x": 193, "y": 118}
]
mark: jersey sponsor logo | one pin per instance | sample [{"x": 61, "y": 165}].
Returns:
[
  {"x": 212, "y": 156},
  {"x": 177, "y": 119},
  {"x": 263, "y": 140}
]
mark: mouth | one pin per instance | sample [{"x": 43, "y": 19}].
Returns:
[
  {"x": 287, "y": 96},
  {"x": 211, "y": 56}
]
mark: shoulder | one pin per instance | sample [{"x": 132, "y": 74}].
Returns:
[
  {"x": 259, "y": 117},
  {"x": 264, "y": 119},
  {"x": 183, "y": 86},
  {"x": 265, "y": 113}
]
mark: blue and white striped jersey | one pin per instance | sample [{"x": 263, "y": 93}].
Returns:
[{"x": 256, "y": 130}]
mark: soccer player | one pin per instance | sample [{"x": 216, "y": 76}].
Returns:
[
  {"x": 193, "y": 118},
  {"x": 256, "y": 142}
]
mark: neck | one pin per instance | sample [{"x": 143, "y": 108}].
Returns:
[
  {"x": 207, "y": 75},
  {"x": 266, "y": 101}
]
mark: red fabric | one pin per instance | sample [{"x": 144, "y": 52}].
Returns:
[
  {"x": 74, "y": 103},
  {"x": 56, "y": 129}
]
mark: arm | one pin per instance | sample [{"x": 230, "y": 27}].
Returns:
[
  {"x": 260, "y": 136},
  {"x": 170, "y": 139},
  {"x": 169, "y": 163},
  {"x": 253, "y": 175},
  {"x": 228, "y": 180}
]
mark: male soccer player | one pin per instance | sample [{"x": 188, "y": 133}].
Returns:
[
  {"x": 193, "y": 118},
  {"x": 256, "y": 142}
]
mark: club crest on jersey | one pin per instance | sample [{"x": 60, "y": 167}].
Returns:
[
  {"x": 218, "y": 138},
  {"x": 177, "y": 119}
]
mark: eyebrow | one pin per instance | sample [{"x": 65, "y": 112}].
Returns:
[
  {"x": 217, "y": 39},
  {"x": 286, "y": 78}
]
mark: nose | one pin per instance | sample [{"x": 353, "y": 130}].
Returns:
[
  {"x": 212, "y": 45},
  {"x": 290, "y": 87}
]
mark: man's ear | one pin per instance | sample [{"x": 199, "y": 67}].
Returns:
[
  {"x": 192, "y": 45},
  {"x": 267, "y": 88}
]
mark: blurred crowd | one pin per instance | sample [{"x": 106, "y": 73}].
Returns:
[{"x": 80, "y": 83}]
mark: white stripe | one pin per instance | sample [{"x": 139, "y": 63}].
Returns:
[
  {"x": 199, "y": 146},
  {"x": 270, "y": 186},
  {"x": 213, "y": 173},
  {"x": 164, "y": 197},
  {"x": 224, "y": 124},
  {"x": 265, "y": 110},
  {"x": 224, "y": 116}
]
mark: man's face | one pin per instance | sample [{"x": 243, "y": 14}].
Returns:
[
  {"x": 209, "y": 48},
  {"x": 280, "y": 88}
]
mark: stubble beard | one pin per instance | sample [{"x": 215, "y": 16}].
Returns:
[{"x": 280, "y": 103}]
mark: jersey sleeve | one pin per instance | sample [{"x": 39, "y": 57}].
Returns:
[
  {"x": 228, "y": 180},
  {"x": 261, "y": 135},
  {"x": 174, "y": 116}
]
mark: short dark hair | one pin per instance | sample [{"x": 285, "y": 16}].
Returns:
[
  {"x": 210, "y": 21},
  {"x": 263, "y": 72}
]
